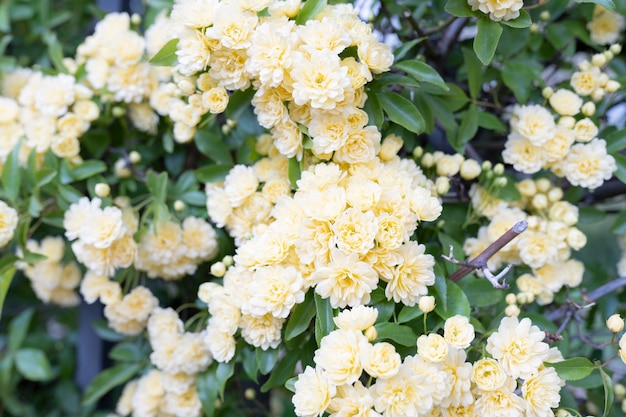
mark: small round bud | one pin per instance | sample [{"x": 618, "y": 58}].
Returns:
[
  {"x": 589, "y": 108},
  {"x": 418, "y": 152},
  {"x": 615, "y": 323},
  {"x": 118, "y": 111},
  {"x": 584, "y": 65},
  {"x": 540, "y": 201},
  {"x": 522, "y": 298},
  {"x": 249, "y": 394},
  {"x": 487, "y": 165},
  {"x": 135, "y": 157},
  {"x": 547, "y": 92},
  {"x": 427, "y": 303},
  {"x": 442, "y": 185},
  {"x": 228, "y": 261},
  {"x": 470, "y": 169},
  {"x": 527, "y": 187},
  {"x": 500, "y": 182},
  {"x": 121, "y": 170},
  {"x": 544, "y": 15},
  {"x": 512, "y": 310},
  {"x": 122, "y": 201},
  {"x": 562, "y": 413},
  {"x": 102, "y": 189},
  {"x": 555, "y": 194},
  {"x": 603, "y": 78},
  {"x": 427, "y": 160},
  {"x": 592, "y": 408},
  {"x": 510, "y": 298},
  {"x": 567, "y": 122},
  {"x": 534, "y": 28},
  {"x": 231, "y": 123},
  {"x": 597, "y": 94},
  {"x": 135, "y": 19},
  {"x": 226, "y": 129},
  {"x": 218, "y": 269},
  {"x": 611, "y": 86},
  {"x": 371, "y": 333},
  {"x": 620, "y": 391},
  {"x": 390, "y": 147},
  {"x": 186, "y": 87},
  {"x": 609, "y": 55},
  {"x": 179, "y": 205},
  {"x": 533, "y": 222},
  {"x": 498, "y": 169},
  {"x": 616, "y": 48},
  {"x": 598, "y": 60},
  {"x": 543, "y": 185},
  {"x": 440, "y": 224}
]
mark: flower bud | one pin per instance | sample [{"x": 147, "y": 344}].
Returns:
[
  {"x": 589, "y": 108},
  {"x": 615, "y": 323},
  {"x": 576, "y": 239},
  {"x": 102, "y": 189},
  {"x": 584, "y": 65},
  {"x": 228, "y": 261},
  {"x": 501, "y": 182},
  {"x": 371, "y": 333},
  {"x": 135, "y": 19},
  {"x": 390, "y": 146},
  {"x": 609, "y": 55},
  {"x": 512, "y": 310},
  {"x": 470, "y": 169},
  {"x": 121, "y": 170},
  {"x": 555, "y": 194},
  {"x": 487, "y": 165},
  {"x": 597, "y": 94},
  {"x": 135, "y": 157},
  {"x": 598, "y": 60},
  {"x": 547, "y": 92},
  {"x": 218, "y": 269},
  {"x": 442, "y": 185},
  {"x": 418, "y": 152},
  {"x": 179, "y": 205},
  {"x": 544, "y": 15},
  {"x": 427, "y": 303},
  {"x": 231, "y": 123},
  {"x": 186, "y": 87},
  {"x": 427, "y": 160},
  {"x": 620, "y": 391},
  {"x": 118, "y": 111},
  {"x": 543, "y": 185},
  {"x": 540, "y": 201},
  {"x": 249, "y": 394},
  {"x": 498, "y": 169},
  {"x": 612, "y": 86},
  {"x": 534, "y": 28},
  {"x": 527, "y": 187},
  {"x": 616, "y": 48},
  {"x": 567, "y": 122},
  {"x": 510, "y": 298}
]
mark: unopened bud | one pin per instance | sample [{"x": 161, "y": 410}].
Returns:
[
  {"x": 500, "y": 182},
  {"x": 616, "y": 48},
  {"x": 555, "y": 194},
  {"x": 615, "y": 323},
  {"x": 487, "y": 165},
  {"x": 228, "y": 261},
  {"x": 544, "y": 15},
  {"x": 620, "y": 391},
  {"x": 226, "y": 129},
  {"x": 418, "y": 152},
  {"x": 442, "y": 185},
  {"x": 371, "y": 333},
  {"x": 498, "y": 169},
  {"x": 135, "y": 157},
  {"x": 534, "y": 28},
  {"x": 547, "y": 92},
  {"x": 186, "y": 87},
  {"x": 597, "y": 94},
  {"x": 249, "y": 394},
  {"x": 567, "y": 122},
  {"x": 540, "y": 201},
  {"x": 512, "y": 310},
  {"x": 427, "y": 160},
  {"x": 390, "y": 147},
  {"x": 527, "y": 187},
  {"x": 135, "y": 19},
  {"x": 584, "y": 65},
  {"x": 179, "y": 205},
  {"x": 118, "y": 111},
  {"x": 231, "y": 123},
  {"x": 589, "y": 108},
  {"x": 611, "y": 86},
  {"x": 470, "y": 169},
  {"x": 218, "y": 269},
  {"x": 427, "y": 303},
  {"x": 609, "y": 55},
  {"x": 598, "y": 60},
  {"x": 102, "y": 189},
  {"x": 543, "y": 185},
  {"x": 510, "y": 298},
  {"x": 121, "y": 170}
]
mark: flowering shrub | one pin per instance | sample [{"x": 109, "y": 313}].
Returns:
[{"x": 274, "y": 207}]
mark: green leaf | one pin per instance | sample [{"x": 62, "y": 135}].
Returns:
[
  {"x": 284, "y": 370},
  {"x": 212, "y": 146},
  {"x": 480, "y": 292},
  {"x": 88, "y": 169},
  {"x": 519, "y": 75},
  {"x": 374, "y": 111},
  {"x": 486, "y": 40},
  {"x": 212, "y": 173},
  {"x": 460, "y": 8},
  {"x": 468, "y": 128},
  {"x": 19, "y": 328},
  {"x": 206, "y": 385},
  {"x": 109, "y": 379},
  {"x": 402, "y": 50},
  {"x": 222, "y": 374},
  {"x": 423, "y": 72},
  {"x": 300, "y": 318},
  {"x": 402, "y": 335},
  {"x": 34, "y": 206},
  {"x": 127, "y": 352},
  {"x": 490, "y": 121},
  {"x": 457, "y": 302},
  {"x": 69, "y": 193},
  {"x": 33, "y": 364},
  {"x": 44, "y": 176},
  {"x": 520, "y": 22},
  {"x": 573, "y": 369},
  {"x": 6, "y": 276},
  {"x": 55, "y": 52},
  {"x": 609, "y": 394},
  {"x": 620, "y": 160},
  {"x": 166, "y": 57},
  {"x": 607, "y": 4},
  {"x": 324, "y": 323},
  {"x": 401, "y": 111},
  {"x": 266, "y": 359},
  {"x": 619, "y": 226},
  {"x": 474, "y": 72},
  {"x": 11, "y": 179},
  {"x": 238, "y": 103},
  {"x": 157, "y": 185},
  {"x": 294, "y": 172},
  {"x": 194, "y": 198},
  {"x": 409, "y": 313},
  {"x": 509, "y": 192},
  {"x": 616, "y": 141},
  {"x": 310, "y": 9}
]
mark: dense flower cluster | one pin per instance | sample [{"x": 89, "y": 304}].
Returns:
[
  {"x": 545, "y": 246},
  {"x": 569, "y": 147},
  {"x": 296, "y": 71},
  {"x": 437, "y": 380}
]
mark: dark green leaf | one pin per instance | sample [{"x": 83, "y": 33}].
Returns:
[
  {"x": 401, "y": 111},
  {"x": 18, "y": 328},
  {"x": 238, "y": 103},
  {"x": 402, "y": 50},
  {"x": 616, "y": 141},
  {"x": 55, "y": 52},
  {"x": 609, "y": 394},
  {"x": 194, "y": 198},
  {"x": 88, "y": 169},
  {"x": 620, "y": 160},
  {"x": 206, "y": 385},
  {"x": 423, "y": 72},
  {"x": 127, "y": 352},
  {"x": 212, "y": 173},
  {"x": 157, "y": 185},
  {"x": 409, "y": 313},
  {"x": 468, "y": 128},
  {"x": 474, "y": 72},
  {"x": 520, "y": 22},
  {"x": 33, "y": 364},
  {"x": 619, "y": 226},
  {"x": 266, "y": 359},
  {"x": 310, "y": 9},
  {"x": 573, "y": 369},
  {"x": 249, "y": 362},
  {"x": 294, "y": 172},
  {"x": 69, "y": 193},
  {"x": 284, "y": 370},
  {"x": 109, "y": 379},
  {"x": 402, "y": 335},
  {"x": 457, "y": 302},
  {"x": 11, "y": 179},
  {"x": 166, "y": 56},
  {"x": 324, "y": 323},
  {"x": 607, "y": 4},
  {"x": 440, "y": 287},
  {"x": 44, "y": 176},
  {"x": 480, "y": 292},
  {"x": 6, "y": 276},
  {"x": 486, "y": 40},
  {"x": 222, "y": 374},
  {"x": 519, "y": 76},
  {"x": 212, "y": 146},
  {"x": 34, "y": 206},
  {"x": 300, "y": 318},
  {"x": 460, "y": 8},
  {"x": 374, "y": 111},
  {"x": 491, "y": 122}
]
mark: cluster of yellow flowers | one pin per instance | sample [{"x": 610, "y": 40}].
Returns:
[
  {"x": 45, "y": 112},
  {"x": 53, "y": 280},
  {"x": 545, "y": 246},
  {"x": 569, "y": 147},
  {"x": 437, "y": 380},
  {"x": 297, "y": 72}
]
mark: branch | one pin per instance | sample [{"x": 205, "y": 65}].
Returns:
[
  {"x": 605, "y": 289},
  {"x": 480, "y": 262}
]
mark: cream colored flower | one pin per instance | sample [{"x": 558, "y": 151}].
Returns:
[
  {"x": 585, "y": 130},
  {"x": 376, "y": 55},
  {"x": 340, "y": 355},
  {"x": 588, "y": 165},
  {"x": 275, "y": 290},
  {"x": 433, "y": 347},
  {"x": 355, "y": 400},
  {"x": 8, "y": 223},
  {"x": 357, "y": 318},
  {"x": 525, "y": 156},
  {"x": 488, "y": 375},
  {"x": 498, "y": 9},
  {"x": 501, "y": 402},
  {"x": 566, "y": 102},
  {"x": 355, "y": 231},
  {"x": 404, "y": 394},
  {"x": 412, "y": 275},
  {"x": 458, "y": 331},
  {"x": 542, "y": 393},
  {"x": 263, "y": 332},
  {"x": 518, "y": 346},
  {"x": 533, "y": 122},
  {"x": 380, "y": 360},
  {"x": 313, "y": 393},
  {"x": 586, "y": 82},
  {"x": 605, "y": 26}
]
